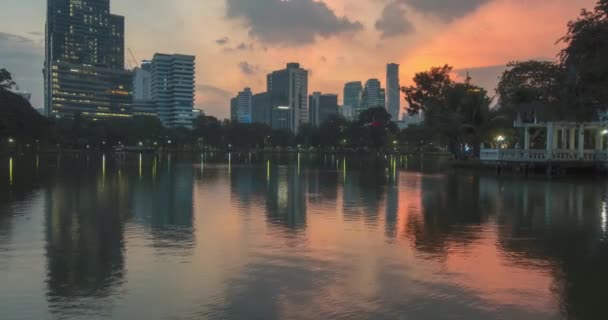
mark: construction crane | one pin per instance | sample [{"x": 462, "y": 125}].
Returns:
[{"x": 133, "y": 62}]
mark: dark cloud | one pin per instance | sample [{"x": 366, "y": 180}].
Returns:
[
  {"x": 222, "y": 41},
  {"x": 212, "y": 90},
  {"x": 24, "y": 58},
  {"x": 248, "y": 68},
  {"x": 240, "y": 47},
  {"x": 294, "y": 22},
  {"x": 394, "y": 21},
  {"x": 214, "y": 100},
  {"x": 446, "y": 10},
  {"x": 486, "y": 77}
]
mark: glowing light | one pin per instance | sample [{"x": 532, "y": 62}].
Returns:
[
  {"x": 500, "y": 138},
  {"x": 605, "y": 132},
  {"x": 268, "y": 171},
  {"x": 604, "y": 217},
  {"x": 10, "y": 171},
  {"x": 11, "y": 140}
]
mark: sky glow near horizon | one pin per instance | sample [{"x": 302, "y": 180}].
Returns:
[{"x": 237, "y": 42}]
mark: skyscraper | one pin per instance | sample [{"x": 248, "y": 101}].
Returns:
[
  {"x": 262, "y": 109},
  {"x": 322, "y": 107},
  {"x": 142, "y": 82},
  {"x": 143, "y": 104},
  {"x": 84, "y": 61},
  {"x": 373, "y": 95},
  {"x": 352, "y": 99},
  {"x": 244, "y": 106},
  {"x": 393, "y": 92},
  {"x": 288, "y": 89},
  {"x": 173, "y": 88}
]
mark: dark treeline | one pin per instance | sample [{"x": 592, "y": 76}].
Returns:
[{"x": 458, "y": 116}]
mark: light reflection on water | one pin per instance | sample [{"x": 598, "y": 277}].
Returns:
[{"x": 300, "y": 238}]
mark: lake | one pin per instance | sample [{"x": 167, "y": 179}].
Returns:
[{"x": 295, "y": 237}]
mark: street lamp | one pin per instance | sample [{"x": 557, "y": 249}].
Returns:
[
  {"x": 11, "y": 140},
  {"x": 605, "y": 132},
  {"x": 169, "y": 141},
  {"x": 141, "y": 143},
  {"x": 500, "y": 138}
]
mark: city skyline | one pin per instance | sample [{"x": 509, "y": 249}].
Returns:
[{"x": 354, "y": 42}]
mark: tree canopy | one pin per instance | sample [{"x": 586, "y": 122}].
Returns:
[
  {"x": 6, "y": 79},
  {"x": 584, "y": 56}
]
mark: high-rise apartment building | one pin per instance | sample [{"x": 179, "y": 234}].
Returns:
[
  {"x": 173, "y": 87},
  {"x": 352, "y": 99},
  {"x": 142, "y": 82},
  {"x": 393, "y": 91},
  {"x": 244, "y": 106},
  {"x": 84, "y": 61},
  {"x": 262, "y": 109},
  {"x": 322, "y": 107},
  {"x": 373, "y": 95},
  {"x": 288, "y": 89}
]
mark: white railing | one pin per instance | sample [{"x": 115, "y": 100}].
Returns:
[{"x": 520, "y": 155}]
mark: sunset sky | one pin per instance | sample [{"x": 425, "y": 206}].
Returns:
[{"x": 237, "y": 42}]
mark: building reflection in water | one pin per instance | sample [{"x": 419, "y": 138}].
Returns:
[
  {"x": 85, "y": 240},
  {"x": 86, "y": 214},
  {"x": 349, "y": 237},
  {"x": 163, "y": 204}
]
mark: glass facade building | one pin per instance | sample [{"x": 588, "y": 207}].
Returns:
[
  {"x": 288, "y": 89},
  {"x": 173, "y": 89},
  {"x": 84, "y": 61}
]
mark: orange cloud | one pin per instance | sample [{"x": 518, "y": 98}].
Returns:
[{"x": 499, "y": 32}]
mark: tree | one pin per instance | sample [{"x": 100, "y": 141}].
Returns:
[
  {"x": 429, "y": 89},
  {"x": 457, "y": 113},
  {"x": 332, "y": 131},
  {"x": 585, "y": 57},
  {"x": 6, "y": 80},
  {"x": 530, "y": 81},
  {"x": 378, "y": 123},
  {"x": 209, "y": 129}
]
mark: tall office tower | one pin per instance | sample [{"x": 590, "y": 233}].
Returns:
[
  {"x": 373, "y": 95},
  {"x": 393, "y": 91},
  {"x": 84, "y": 61},
  {"x": 143, "y": 104},
  {"x": 142, "y": 82},
  {"x": 234, "y": 116},
  {"x": 288, "y": 89},
  {"x": 322, "y": 107},
  {"x": 352, "y": 99},
  {"x": 173, "y": 86},
  {"x": 244, "y": 106},
  {"x": 262, "y": 109}
]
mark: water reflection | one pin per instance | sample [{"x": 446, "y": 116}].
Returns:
[
  {"x": 84, "y": 241},
  {"x": 302, "y": 237}
]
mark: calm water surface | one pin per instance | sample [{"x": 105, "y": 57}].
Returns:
[{"x": 89, "y": 237}]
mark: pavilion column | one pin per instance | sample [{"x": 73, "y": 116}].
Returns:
[
  {"x": 598, "y": 139},
  {"x": 550, "y": 139},
  {"x": 581, "y": 142},
  {"x": 572, "y": 139},
  {"x": 526, "y": 138}
]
